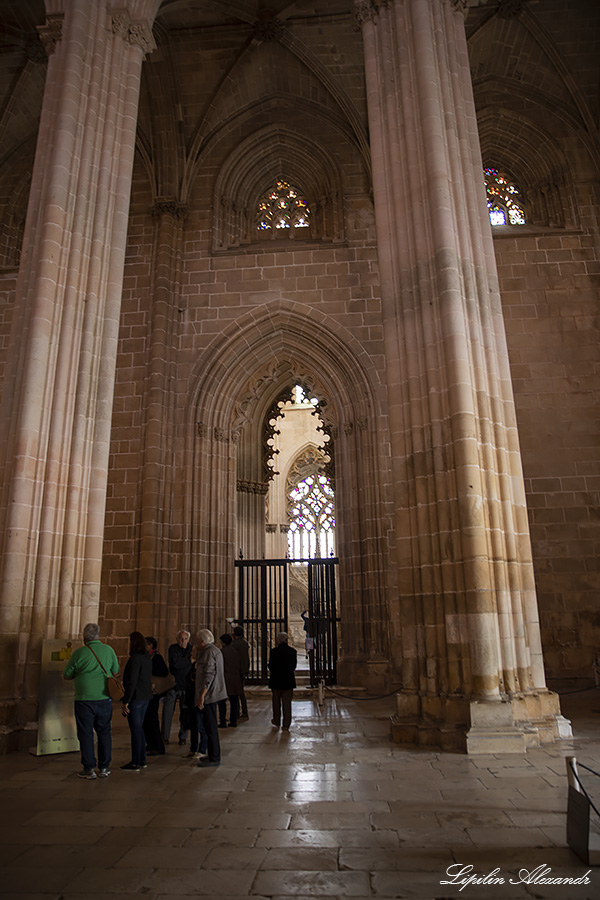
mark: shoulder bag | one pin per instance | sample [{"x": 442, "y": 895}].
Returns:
[{"x": 114, "y": 685}]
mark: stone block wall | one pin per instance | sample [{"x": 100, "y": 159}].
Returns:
[{"x": 549, "y": 285}]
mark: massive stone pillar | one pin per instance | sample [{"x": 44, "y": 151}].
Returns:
[
  {"x": 468, "y": 629},
  {"x": 156, "y": 526},
  {"x": 65, "y": 334}
]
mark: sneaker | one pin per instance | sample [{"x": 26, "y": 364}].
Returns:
[
  {"x": 273, "y": 722},
  {"x": 192, "y": 755},
  {"x": 131, "y": 767},
  {"x": 104, "y": 773},
  {"x": 244, "y": 716},
  {"x": 205, "y": 763},
  {"x": 285, "y": 727},
  {"x": 88, "y": 774}
]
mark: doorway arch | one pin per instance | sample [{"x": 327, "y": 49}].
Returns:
[{"x": 234, "y": 384}]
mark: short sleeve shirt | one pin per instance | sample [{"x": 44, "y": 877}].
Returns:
[{"x": 83, "y": 667}]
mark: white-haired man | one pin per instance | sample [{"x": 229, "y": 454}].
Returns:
[
  {"x": 210, "y": 688},
  {"x": 180, "y": 663},
  {"x": 89, "y": 666}
]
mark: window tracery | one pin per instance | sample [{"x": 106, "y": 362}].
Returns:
[
  {"x": 310, "y": 506},
  {"x": 503, "y": 199},
  {"x": 282, "y": 207}
]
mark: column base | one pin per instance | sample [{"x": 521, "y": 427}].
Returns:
[
  {"x": 14, "y": 735},
  {"x": 512, "y": 724}
]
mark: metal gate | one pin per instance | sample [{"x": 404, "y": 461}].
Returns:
[{"x": 263, "y": 612}]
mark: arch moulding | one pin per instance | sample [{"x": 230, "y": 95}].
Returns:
[{"x": 270, "y": 348}]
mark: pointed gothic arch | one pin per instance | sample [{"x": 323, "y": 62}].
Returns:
[{"x": 233, "y": 386}]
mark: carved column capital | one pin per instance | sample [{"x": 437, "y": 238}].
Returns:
[
  {"x": 168, "y": 206},
  {"x": 51, "y": 32},
  {"x": 365, "y": 10},
  {"x": 460, "y": 6},
  {"x": 133, "y": 33},
  {"x": 509, "y": 8}
]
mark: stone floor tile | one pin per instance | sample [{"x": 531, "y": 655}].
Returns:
[
  {"x": 190, "y": 883},
  {"x": 351, "y": 838},
  {"x": 153, "y": 856},
  {"x": 16, "y": 880},
  {"x": 139, "y": 837},
  {"x": 50, "y": 835},
  {"x": 105, "y": 881},
  {"x": 220, "y": 858},
  {"x": 322, "y": 822},
  {"x": 509, "y": 837},
  {"x": 260, "y": 818},
  {"x": 413, "y": 859},
  {"x": 314, "y": 884},
  {"x": 301, "y": 858},
  {"x": 222, "y": 837}
]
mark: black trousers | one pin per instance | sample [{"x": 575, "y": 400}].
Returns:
[{"x": 209, "y": 714}]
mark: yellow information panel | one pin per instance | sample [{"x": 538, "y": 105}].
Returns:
[{"x": 57, "y": 731}]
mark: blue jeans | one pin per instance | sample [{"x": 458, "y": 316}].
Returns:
[
  {"x": 90, "y": 716},
  {"x": 135, "y": 720}
]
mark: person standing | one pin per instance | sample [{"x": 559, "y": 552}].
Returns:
[
  {"x": 154, "y": 743},
  {"x": 180, "y": 663},
  {"x": 210, "y": 688},
  {"x": 93, "y": 706},
  {"x": 241, "y": 646},
  {"x": 282, "y": 680},
  {"x": 137, "y": 681},
  {"x": 233, "y": 683}
]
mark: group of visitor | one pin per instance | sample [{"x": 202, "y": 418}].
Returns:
[{"x": 199, "y": 676}]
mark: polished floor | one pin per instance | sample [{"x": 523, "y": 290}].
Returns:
[{"x": 330, "y": 809}]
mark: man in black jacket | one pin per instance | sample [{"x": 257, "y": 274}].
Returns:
[
  {"x": 282, "y": 681},
  {"x": 180, "y": 663}
]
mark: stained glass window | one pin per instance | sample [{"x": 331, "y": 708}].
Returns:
[
  {"x": 312, "y": 522},
  {"x": 282, "y": 207},
  {"x": 503, "y": 199}
]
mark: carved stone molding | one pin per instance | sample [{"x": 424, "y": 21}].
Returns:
[
  {"x": 51, "y": 32},
  {"x": 134, "y": 33},
  {"x": 268, "y": 28},
  {"x": 35, "y": 49},
  {"x": 252, "y": 487},
  {"x": 368, "y": 9},
  {"x": 460, "y": 6},
  {"x": 164, "y": 206},
  {"x": 270, "y": 529},
  {"x": 219, "y": 434},
  {"x": 201, "y": 429},
  {"x": 509, "y": 8}
]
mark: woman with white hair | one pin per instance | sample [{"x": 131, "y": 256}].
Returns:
[{"x": 210, "y": 688}]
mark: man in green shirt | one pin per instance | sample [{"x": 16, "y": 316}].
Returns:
[{"x": 89, "y": 666}]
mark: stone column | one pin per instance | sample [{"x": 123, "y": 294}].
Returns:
[
  {"x": 157, "y": 529},
  {"x": 468, "y": 624},
  {"x": 65, "y": 336}
]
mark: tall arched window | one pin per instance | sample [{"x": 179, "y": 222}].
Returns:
[
  {"x": 310, "y": 507},
  {"x": 282, "y": 207},
  {"x": 503, "y": 199}
]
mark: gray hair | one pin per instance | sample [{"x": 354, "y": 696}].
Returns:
[
  {"x": 181, "y": 632},
  {"x": 283, "y": 637},
  {"x": 91, "y": 632},
  {"x": 206, "y": 636}
]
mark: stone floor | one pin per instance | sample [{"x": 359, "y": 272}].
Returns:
[{"x": 331, "y": 809}]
